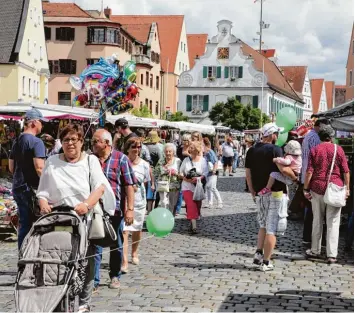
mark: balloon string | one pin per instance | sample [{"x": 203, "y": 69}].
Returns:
[{"x": 95, "y": 120}]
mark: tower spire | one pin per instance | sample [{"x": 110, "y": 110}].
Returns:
[{"x": 102, "y": 13}]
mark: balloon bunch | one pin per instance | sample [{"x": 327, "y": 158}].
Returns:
[
  {"x": 106, "y": 86},
  {"x": 285, "y": 118}
]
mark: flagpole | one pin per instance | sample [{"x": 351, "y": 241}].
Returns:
[
  {"x": 261, "y": 25},
  {"x": 262, "y": 96}
]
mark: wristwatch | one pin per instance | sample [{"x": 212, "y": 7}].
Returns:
[{"x": 87, "y": 205}]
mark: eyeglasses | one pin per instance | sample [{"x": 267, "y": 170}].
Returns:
[
  {"x": 95, "y": 141},
  {"x": 136, "y": 147},
  {"x": 68, "y": 140}
]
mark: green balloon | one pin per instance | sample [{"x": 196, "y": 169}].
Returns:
[
  {"x": 129, "y": 70},
  {"x": 281, "y": 139},
  {"x": 160, "y": 222},
  {"x": 286, "y": 118}
]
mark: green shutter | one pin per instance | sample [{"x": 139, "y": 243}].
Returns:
[
  {"x": 240, "y": 72},
  {"x": 238, "y": 98},
  {"x": 255, "y": 101},
  {"x": 219, "y": 70},
  {"x": 188, "y": 103},
  {"x": 205, "y": 103},
  {"x": 205, "y": 72},
  {"x": 226, "y": 72}
]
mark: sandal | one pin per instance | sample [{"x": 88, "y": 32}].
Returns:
[
  {"x": 124, "y": 269},
  {"x": 332, "y": 260},
  {"x": 311, "y": 254},
  {"x": 135, "y": 260}
]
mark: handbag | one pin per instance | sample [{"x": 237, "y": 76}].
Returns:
[
  {"x": 101, "y": 232},
  {"x": 334, "y": 194},
  {"x": 164, "y": 185}
]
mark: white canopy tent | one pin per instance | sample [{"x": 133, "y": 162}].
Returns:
[{"x": 191, "y": 127}]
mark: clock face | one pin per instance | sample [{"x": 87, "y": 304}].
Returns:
[{"x": 223, "y": 53}]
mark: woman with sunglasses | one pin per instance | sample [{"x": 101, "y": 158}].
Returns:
[
  {"x": 141, "y": 170},
  {"x": 76, "y": 179}
]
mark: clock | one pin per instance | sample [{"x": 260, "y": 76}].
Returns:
[{"x": 223, "y": 53}]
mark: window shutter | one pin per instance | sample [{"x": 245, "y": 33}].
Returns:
[
  {"x": 238, "y": 98},
  {"x": 240, "y": 72},
  {"x": 226, "y": 72},
  {"x": 205, "y": 72},
  {"x": 255, "y": 101},
  {"x": 219, "y": 70},
  {"x": 58, "y": 34},
  {"x": 205, "y": 102},
  {"x": 72, "y": 34},
  {"x": 188, "y": 103}
]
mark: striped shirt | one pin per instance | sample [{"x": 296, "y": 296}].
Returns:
[
  {"x": 118, "y": 171},
  {"x": 310, "y": 141}
]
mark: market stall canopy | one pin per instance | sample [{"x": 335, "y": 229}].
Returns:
[
  {"x": 191, "y": 127},
  {"x": 341, "y": 117}
]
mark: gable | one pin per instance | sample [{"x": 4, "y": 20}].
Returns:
[
  {"x": 63, "y": 10},
  {"x": 317, "y": 88},
  {"x": 296, "y": 76},
  {"x": 196, "y": 44}
]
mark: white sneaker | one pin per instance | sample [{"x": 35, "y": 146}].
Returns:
[
  {"x": 258, "y": 258},
  {"x": 83, "y": 308},
  {"x": 265, "y": 268},
  {"x": 210, "y": 206},
  {"x": 220, "y": 206}
]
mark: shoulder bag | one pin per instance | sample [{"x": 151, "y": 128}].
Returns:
[
  {"x": 101, "y": 232},
  {"x": 334, "y": 194}
]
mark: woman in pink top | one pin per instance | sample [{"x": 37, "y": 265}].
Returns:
[
  {"x": 315, "y": 185},
  {"x": 293, "y": 159}
]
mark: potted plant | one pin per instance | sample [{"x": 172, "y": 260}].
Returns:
[
  {"x": 211, "y": 78},
  {"x": 232, "y": 79}
]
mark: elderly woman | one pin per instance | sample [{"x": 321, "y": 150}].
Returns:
[
  {"x": 315, "y": 185},
  {"x": 196, "y": 163},
  {"x": 75, "y": 179},
  {"x": 183, "y": 150},
  {"x": 141, "y": 171},
  {"x": 167, "y": 173}
]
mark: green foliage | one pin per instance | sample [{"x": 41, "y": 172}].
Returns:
[
  {"x": 177, "y": 117},
  {"x": 237, "y": 116},
  {"x": 142, "y": 112}
]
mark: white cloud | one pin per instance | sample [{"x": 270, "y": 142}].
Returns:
[{"x": 304, "y": 32}]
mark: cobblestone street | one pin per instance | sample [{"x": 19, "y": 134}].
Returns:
[{"x": 213, "y": 270}]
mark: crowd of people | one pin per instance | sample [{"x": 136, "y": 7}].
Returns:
[{"x": 134, "y": 172}]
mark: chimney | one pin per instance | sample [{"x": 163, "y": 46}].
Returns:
[{"x": 108, "y": 12}]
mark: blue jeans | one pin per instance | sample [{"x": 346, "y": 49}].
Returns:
[
  {"x": 115, "y": 253},
  {"x": 179, "y": 203},
  {"x": 23, "y": 198},
  {"x": 235, "y": 161}
]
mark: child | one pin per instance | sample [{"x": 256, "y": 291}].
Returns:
[{"x": 293, "y": 159}]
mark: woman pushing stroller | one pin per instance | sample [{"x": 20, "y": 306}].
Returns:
[{"x": 75, "y": 179}]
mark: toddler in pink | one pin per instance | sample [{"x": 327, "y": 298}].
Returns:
[{"x": 293, "y": 159}]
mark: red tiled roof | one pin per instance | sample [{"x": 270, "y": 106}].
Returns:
[
  {"x": 268, "y": 53},
  {"x": 316, "y": 87},
  {"x": 170, "y": 27},
  {"x": 196, "y": 44},
  {"x": 340, "y": 86},
  {"x": 138, "y": 31},
  {"x": 63, "y": 10},
  {"x": 275, "y": 78},
  {"x": 329, "y": 90},
  {"x": 295, "y": 75}
]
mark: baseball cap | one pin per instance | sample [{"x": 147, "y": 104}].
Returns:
[
  {"x": 35, "y": 114},
  {"x": 271, "y": 128},
  {"x": 122, "y": 122}
]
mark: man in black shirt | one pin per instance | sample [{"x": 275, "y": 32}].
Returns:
[
  {"x": 259, "y": 164},
  {"x": 122, "y": 127}
]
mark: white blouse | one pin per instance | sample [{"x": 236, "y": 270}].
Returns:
[
  {"x": 64, "y": 183},
  {"x": 201, "y": 168}
]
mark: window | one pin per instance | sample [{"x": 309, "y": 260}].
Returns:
[
  {"x": 151, "y": 105},
  {"x": 181, "y": 45},
  {"x": 141, "y": 104},
  {"x": 48, "y": 33},
  {"x": 38, "y": 90},
  {"x": 233, "y": 72},
  {"x": 157, "y": 82},
  {"x": 31, "y": 14},
  {"x": 146, "y": 102},
  {"x": 34, "y": 89},
  {"x": 91, "y": 61},
  {"x": 39, "y": 20},
  {"x": 111, "y": 35},
  {"x": 183, "y": 66},
  {"x": 40, "y": 53},
  {"x": 62, "y": 66},
  {"x": 28, "y": 46},
  {"x": 184, "y": 47},
  {"x": 65, "y": 34},
  {"x": 130, "y": 48},
  {"x": 152, "y": 56},
  {"x": 156, "y": 108},
  {"x": 104, "y": 35},
  {"x": 350, "y": 78},
  {"x": 29, "y": 87},
  {"x": 197, "y": 104},
  {"x": 151, "y": 81},
  {"x": 35, "y": 56},
  {"x": 142, "y": 79},
  {"x": 212, "y": 71},
  {"x": 126, "y": 45},
  {"x": 64, "y": 98},
  {"x": 23, "y": 85},
  {"x": 147, "y": 78},
  {"x": 179, "y": 66}
]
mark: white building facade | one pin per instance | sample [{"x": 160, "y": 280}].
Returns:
[
  {"x": 307, "y": 98},
  {"x": 228, "y": 70}
]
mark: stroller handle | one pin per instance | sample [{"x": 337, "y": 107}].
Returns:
[{"x": 62, "y": 208}]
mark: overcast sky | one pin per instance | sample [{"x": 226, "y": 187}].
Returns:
[{"x": 303, "y": 32}]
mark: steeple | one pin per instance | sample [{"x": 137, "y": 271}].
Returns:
[{"x": 102, "y": 13}]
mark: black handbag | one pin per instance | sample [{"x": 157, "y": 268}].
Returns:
[{"x": 110, "y": 234}]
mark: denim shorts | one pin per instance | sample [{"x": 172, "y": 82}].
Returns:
[{"x": 268, "y": 212}]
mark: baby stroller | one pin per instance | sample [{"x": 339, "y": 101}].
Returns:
[{"x": 51, "y": 266}]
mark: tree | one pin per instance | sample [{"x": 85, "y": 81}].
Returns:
[
  {"x": 237, "y": 116},
  {"x": 142, "y": 112},
  {"x": 177, "y": 117}
]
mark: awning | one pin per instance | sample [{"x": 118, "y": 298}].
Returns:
[{"x": 345, "y": 109}]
